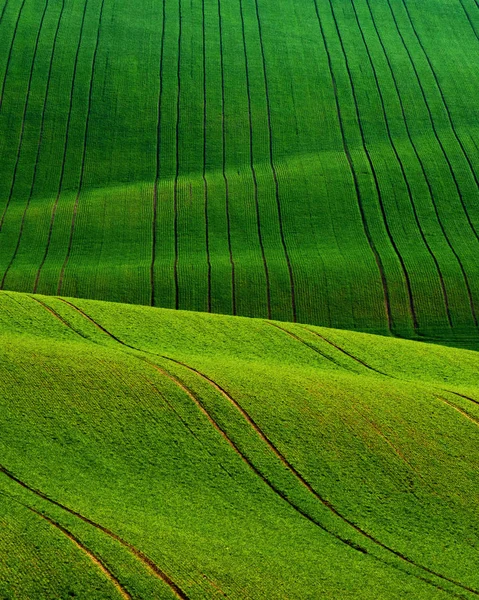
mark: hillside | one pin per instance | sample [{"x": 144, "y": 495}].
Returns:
[
  {"x": 151, "y": 453},
  {"x": 312, "y": 161}
]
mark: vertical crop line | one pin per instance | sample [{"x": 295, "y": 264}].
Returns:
[
  {"x": 223, "y": 159},
  {"x": 24, "y": 114},
  {"x": 85, "y": 141},
  {"x": 253, "y": 171},
  {"x": 469, "y": 19},
  {"x": 401, "y": 166},
  {"x": 205, "y": 182},
  {"x": 14, "y": 36},
  {"x": 461, "y": 266},
  {"x": 449, "y": 117},
  {"x": 177, "y": 157},
  {"x": 65, "y": 148},
  {"x": 444, "y": 292},
  {"x": 39, "y": 146},
  {"x": 158, "y": 162},
  {"x": 347, "y": 153},
  {"x": 4, "y": 8},
  {"x": 273, "y": 168}
]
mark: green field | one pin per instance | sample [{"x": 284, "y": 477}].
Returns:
[
  {"x": 149, "y": 453},
  {"x": 239, "y": 299},
  {"x": 310, "y": 160}
]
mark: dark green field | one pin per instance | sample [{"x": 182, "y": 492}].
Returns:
[
  {"x": 309, "y": 160},
  {"x": 313, "y": 164}
]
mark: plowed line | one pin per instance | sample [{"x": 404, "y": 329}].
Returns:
[
  {"x": 436, "y": 135},
  {"x": 158, "y": 162},
  {"x": 2, "y": 93},
  {"x": 138, "y": 553},
  {"x": 428, "y": 183},
  {"x": 22, "y": 127},
  {"x": 65, "y": 148},
  {"x": 304, "y": 343},
  {"x": 177, "y": 158},
  {"x": 81, "y": 546},
  {"x": 85, "y": 141},
  {"x": 367, "y": 232},
  {"x": 273, "y": 169},
  {"x": 196, "y": 399},
  {"x": 383, "y": 210},
  {"x": 346, "y": 353},
  {"x": 459, "y": 410},
  {"x": 223, "y": 158},
  {"x": 451, "y": 123},
  {"x": 205, "y": 182},
  {"x": 42, "y": 129},
  {"x": 252, "y": 167}
]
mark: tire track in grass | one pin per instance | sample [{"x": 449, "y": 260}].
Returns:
[
  {"x": 469, "y": 20},
  {"x": 273, "y": 168},
  {"x": 205, "y": 182},
  {"x": 386, "y": 122},
  {"x": 158, "y": 160},
  {"x": 4, "y": 8},
  {"x": 153, "y": 567},
  {"x": 252, "y": 167},
  {"x": 197, "y": 400},
  {"x": 85, "y": 141},
  {"x": 14, "y": 36},
  {"x": 449, "y": 117},
  {"x": 436, "y": 135},
  {"x": 471, "y": 418},
  {"x": 416, "y": 153},
  {"x": 223, "y": 158},
  {"x": 40, "y": 140},
  {"x": 65, "y": 148},
  {"x": 177, "y": 158},
  {"x": 367, "y": 231},
  {"x": 80, "y": 545},
  {"x": 22, "y": 126}
]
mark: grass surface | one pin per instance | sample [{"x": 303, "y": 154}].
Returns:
[
  {"x": 150, "y": 453},
  {"x": 313, "y": 161}
]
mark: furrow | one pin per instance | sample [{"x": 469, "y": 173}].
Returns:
[
  {"x": 85, "y": 141},
  {"x": 304, "y": 343},
  {"x": 65, "y": 148},
  {"x": 158, "y": 161},
  {"x": 469, "y": 20},
  {"x": 80, "y": 545},
  {"x": 383, "y": 210},
  {"x": 14, "y": 36},
  {"x": 451, "y": 123},
  {"x": 4, "y": 8},
  {"x": 252, "y": 167},
  {"x": 459, "y": 410},
  {"x": 284, "y": 461},
  {"x": 177, "y": 158},
  {"x": 40, "y": 140},
  {"x": 436, "y": 135},
  {"x": 357, "y": 188},
  {"x": 205, "y": 182},
  {"x": 423, "y": 170},
  {"x": 223, "y": 161},
  {"x": 345, "y": 352},
  {"x": 273, "y": 168},
  {"x": 22, "y": 127},
  {"x": 153, "y": 567}
]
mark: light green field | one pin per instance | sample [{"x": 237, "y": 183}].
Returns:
[
  {"x": 150, "y": 453},
  {"x": 309, "y": 160}
]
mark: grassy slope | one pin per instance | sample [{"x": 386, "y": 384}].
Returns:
[
  {"x": 318, "y": 161},
  {"x": 150, "y": 453}
]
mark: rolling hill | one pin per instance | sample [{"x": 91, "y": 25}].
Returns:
[
  {"x": 312, "y": 161},
  {"x": 153, "y": 453}
]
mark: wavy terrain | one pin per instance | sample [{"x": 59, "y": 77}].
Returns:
[
  {"x": 313, "y": 161},
  {"x": 151, "y": 453}
]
